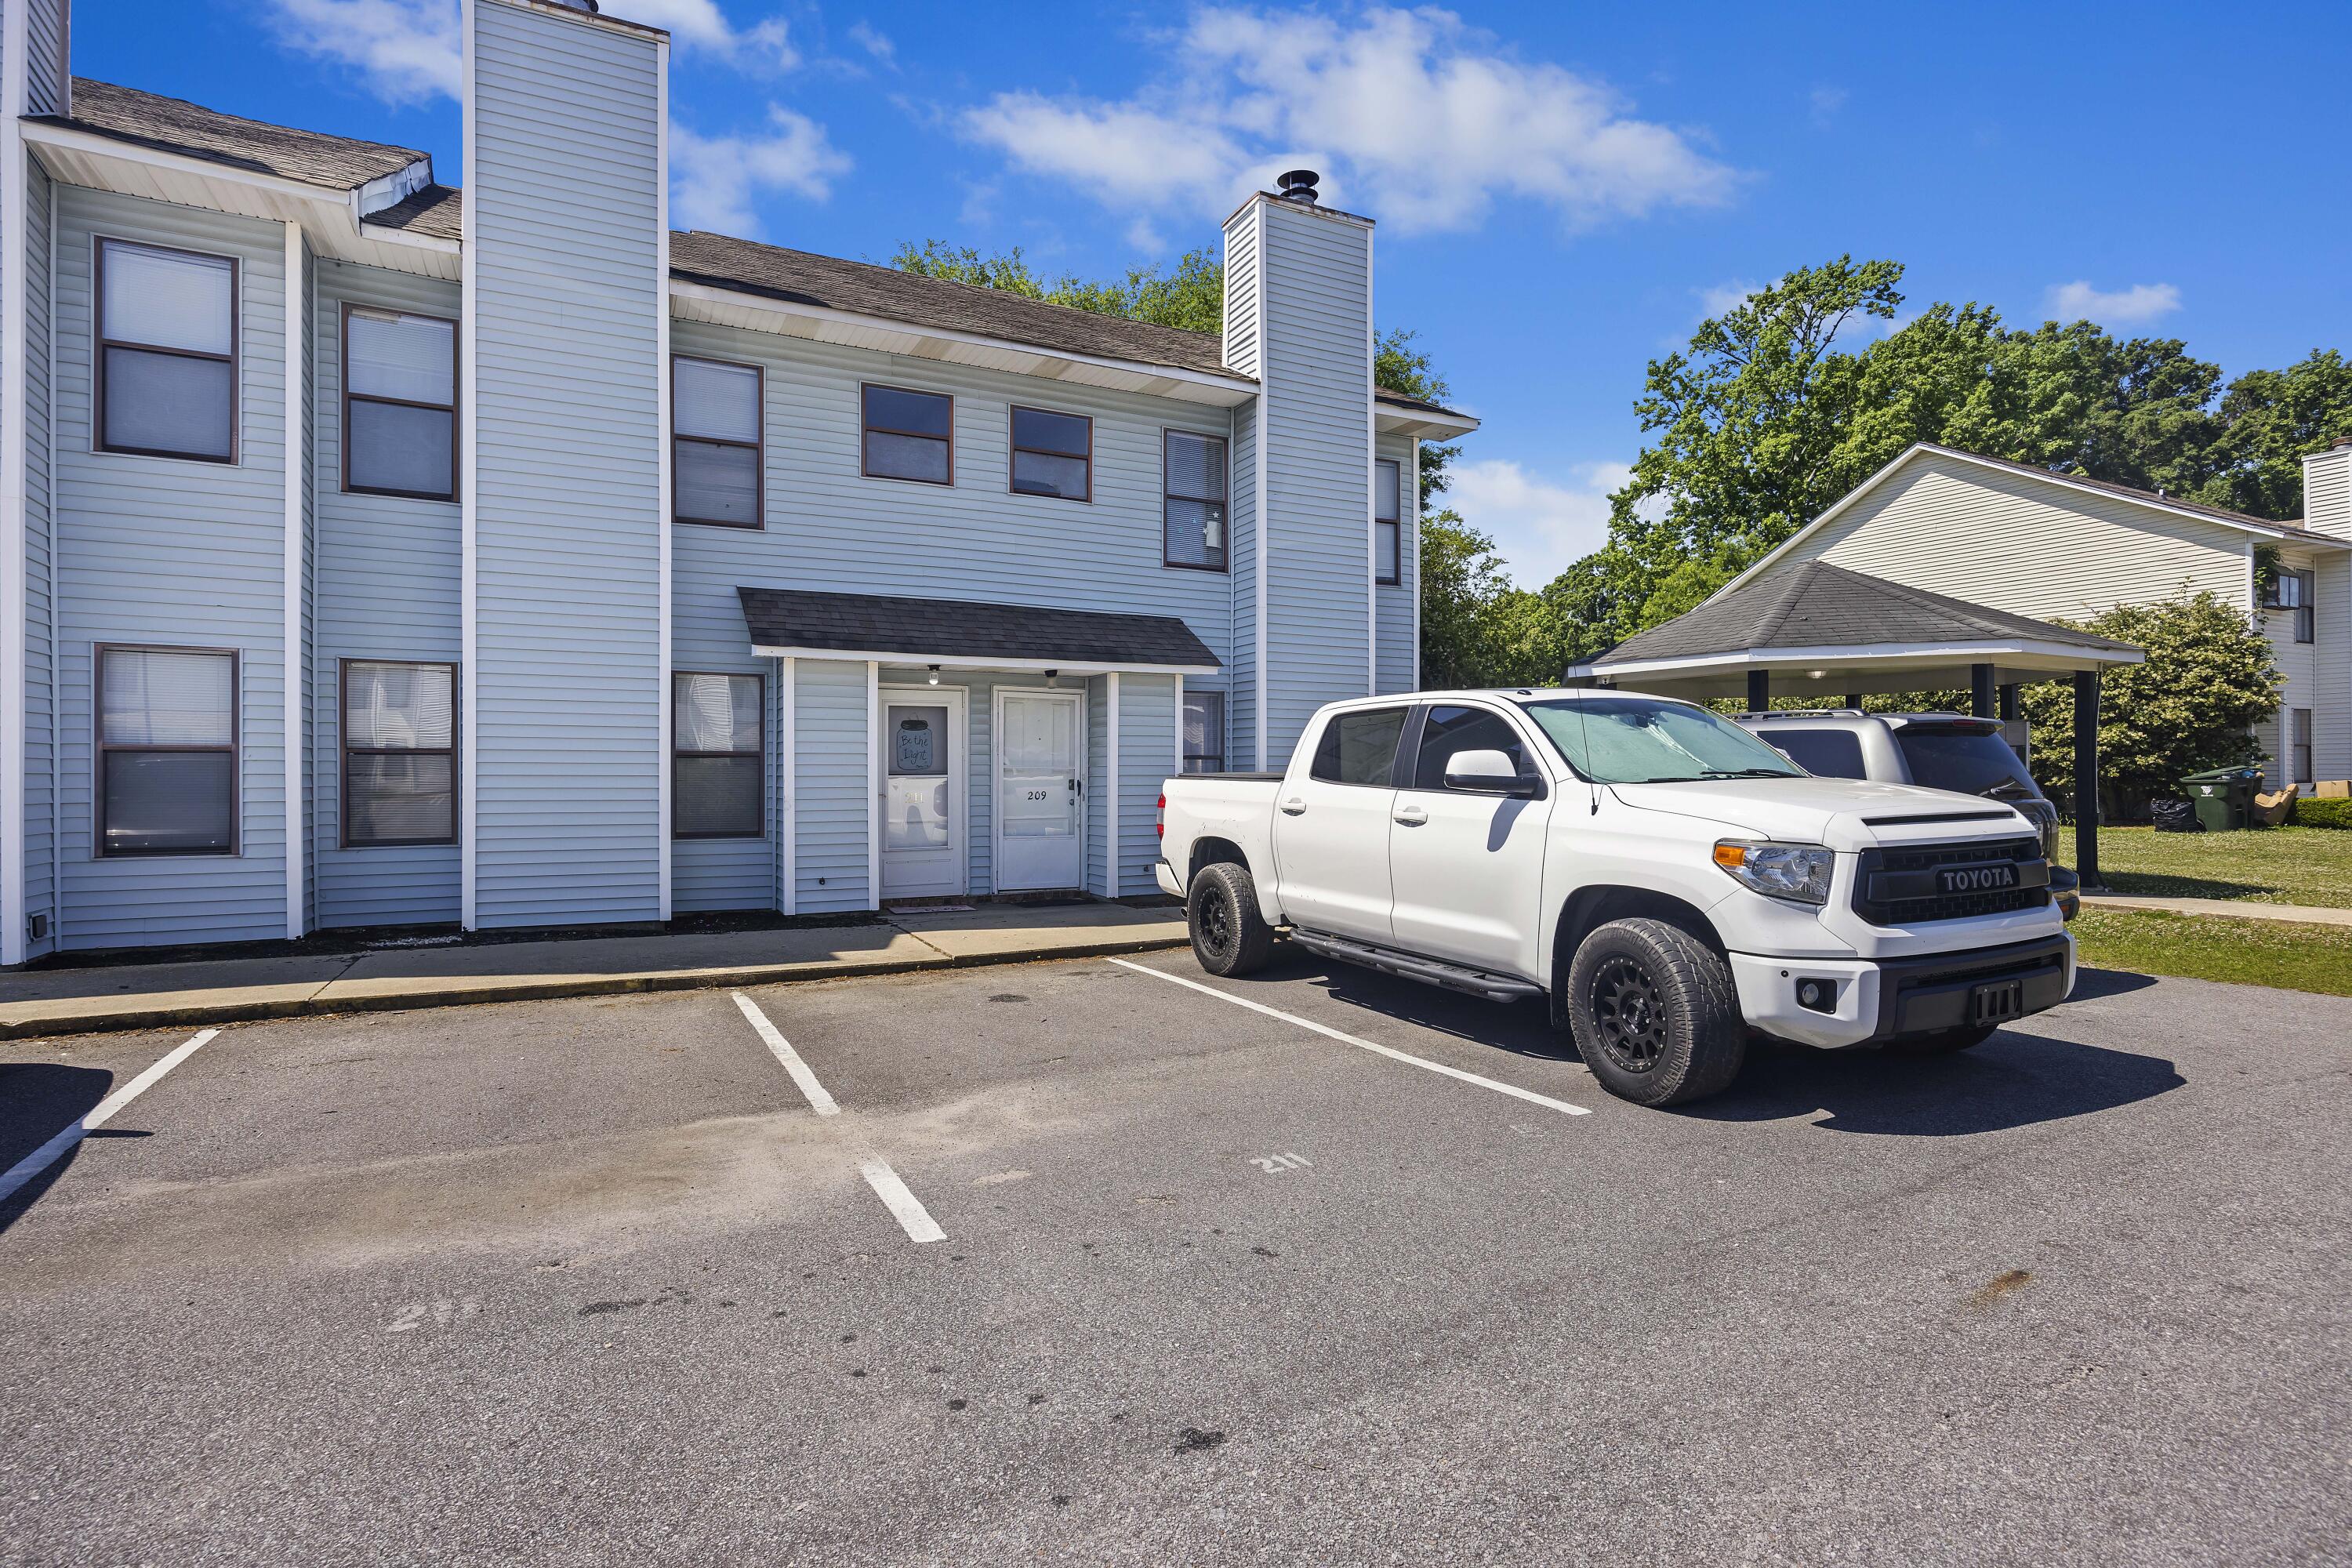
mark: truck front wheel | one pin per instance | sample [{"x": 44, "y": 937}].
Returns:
[
  {"x": 1654, "y": 1013},
  {"x": 1229, "y": 936}
]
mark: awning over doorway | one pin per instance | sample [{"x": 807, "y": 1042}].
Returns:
[{"x": 963, "y": 633}]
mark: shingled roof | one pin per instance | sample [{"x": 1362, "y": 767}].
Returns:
[
  {"x": 1816, "y": 604},
  {"x": 175, "y": 125},
  {"x": 777, "y": 272},
  {"x": 866, "y": 624}
]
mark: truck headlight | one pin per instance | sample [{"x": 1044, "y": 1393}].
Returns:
[{"x": 1796, "y": 871}]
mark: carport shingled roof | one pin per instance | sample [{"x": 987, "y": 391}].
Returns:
[
  {"x": 963, "y": 630},
  {"x": 856, "y": 287},
  {"x": 1817, "y": 604}
]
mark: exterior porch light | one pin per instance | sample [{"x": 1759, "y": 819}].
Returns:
[{"x": 932, "y": 677}]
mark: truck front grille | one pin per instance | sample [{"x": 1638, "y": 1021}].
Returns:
[{"x": 1945, "y": 906}]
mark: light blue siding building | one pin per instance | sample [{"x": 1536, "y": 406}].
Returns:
[{"x": 380, "y": 554}]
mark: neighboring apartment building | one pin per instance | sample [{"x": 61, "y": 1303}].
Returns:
[
  {"x": 376, "y": 553},
  {"x": 2056, "y": 546}
]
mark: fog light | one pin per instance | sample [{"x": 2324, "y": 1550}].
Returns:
[{"x": 1815, "y": 995}]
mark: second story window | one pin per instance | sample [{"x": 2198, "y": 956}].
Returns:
[
  {"x": 1053, "y": 454},
  {"x": 908, "y": 435},
  {"x": 166, "y": 352},
  {"x": 715, "y": 456},
  {"x": 1387, "y": 523},
  {"x": 400, "y": 403},
  {"x": 1194, "y": 506},
  {"x": 2293, "y": 591}
]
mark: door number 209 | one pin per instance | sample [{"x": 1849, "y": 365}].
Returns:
[{"x": 1036, "y": 794}]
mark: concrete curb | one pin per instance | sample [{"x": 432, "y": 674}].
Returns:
[{"x": 430, "y": 994}]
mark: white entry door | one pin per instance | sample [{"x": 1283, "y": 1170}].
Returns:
[
  {"x": 1040, "y": 790},
  {"x": 923, "y": 849}
]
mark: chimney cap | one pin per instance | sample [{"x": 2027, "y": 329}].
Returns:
[{"x": 1299, "y": 186}]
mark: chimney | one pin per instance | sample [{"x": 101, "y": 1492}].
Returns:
[{"x": 2328, "y": 491}]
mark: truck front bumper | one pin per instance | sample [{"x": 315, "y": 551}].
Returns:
[{"x": 1859, "y": 1002}]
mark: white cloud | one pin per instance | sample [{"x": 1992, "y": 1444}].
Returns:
[
  {"x": 873, "y": 42},
  {"x": 713, "y": 179},
  {"x": 2121, "y": 308},
  {"x": 2141, "y": 302},
  {"x": 1410, "y": 114},
  {"x": 1539, "y": 525},
  {"x": 1721, "y": 296},
  {"x": 1826, "y": 101},
  {"x": 408, "y": 51},
  {"x": 1141, "y": 236}
]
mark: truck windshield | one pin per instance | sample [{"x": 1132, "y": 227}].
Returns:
[{"x": 1644, "y": 739}]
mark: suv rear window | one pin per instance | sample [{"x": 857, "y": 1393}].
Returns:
[
  {"x": 1973, "y": 761},
  {"x": 1358, "y": 748},
  {"x": 1825, "y": 754}
]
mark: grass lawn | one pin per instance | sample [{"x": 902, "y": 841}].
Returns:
[
  {"x": 2211, "y": 947},
  {"x": 2282, "y": 865}
]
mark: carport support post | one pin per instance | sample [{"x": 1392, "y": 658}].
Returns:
[
  {"x": 1981, "y": 690},
  {"x": 1759, "y": 690},
  {"x": 2008, "y": 701},
  {"x": 2086, "y": 778}
]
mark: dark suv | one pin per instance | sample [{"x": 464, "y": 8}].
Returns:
[{"x": 1934, "y": 751}]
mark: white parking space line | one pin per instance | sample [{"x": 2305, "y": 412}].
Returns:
[
  {"x": 1514, "y": 1091},
  {"x": 904, "y": 1206},
  {"x": 912, "y": 1215},
  {"x": 97, "y": 1115},
  {"x": 819, "y": 1100}
]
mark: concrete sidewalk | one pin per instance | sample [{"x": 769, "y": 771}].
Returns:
[
  {"x": 160, "y": 995},
  {"x": 2233, "y": 909}
]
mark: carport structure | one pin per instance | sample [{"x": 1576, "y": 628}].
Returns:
[{"x": 1813, "y": 627}]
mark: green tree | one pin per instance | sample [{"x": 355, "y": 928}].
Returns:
[
  {"x": 1189, "y": 295},
  {"x": 2269, "y": 419},
  {"x": 1461, "y": 579},
  {"x": 2209, "y": 679}
]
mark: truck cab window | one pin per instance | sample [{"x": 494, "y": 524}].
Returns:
[
  {"x": 1360, "y": 747},
  {"x": 1450, "y": 730}
]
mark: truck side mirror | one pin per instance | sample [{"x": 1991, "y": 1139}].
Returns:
[{"x": 1487, "y": 772}]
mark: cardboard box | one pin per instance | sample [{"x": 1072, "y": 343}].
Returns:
[{"x": 2333, "y": 789}]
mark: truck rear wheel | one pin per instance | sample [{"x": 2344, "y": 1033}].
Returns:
[
  {"x": 1229, "y": 936},
  {"x": 1654, "y": 1013}
]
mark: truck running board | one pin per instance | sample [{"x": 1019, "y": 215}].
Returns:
[{"x": 1413, "y": 967}]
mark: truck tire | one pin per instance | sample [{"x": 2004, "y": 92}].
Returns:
[
  {"x": 1655, "y": 1011},
  {"x": 1229, "y": 936},
  {"x": 1942, "y": 1042}
]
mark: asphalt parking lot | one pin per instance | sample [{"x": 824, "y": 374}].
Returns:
[{"x": 582, "y": 1281}]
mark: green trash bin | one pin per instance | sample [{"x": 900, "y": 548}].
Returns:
[{"x": 2224, "y": 797}]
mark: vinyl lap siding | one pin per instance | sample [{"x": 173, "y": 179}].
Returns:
[
  {"x": 305, "y": 654},
  {"x": 1241, "y": 700},
  {"x": 2014, "y": 543},
  {"x": 834, "y": 812},
  {"x": 387, "y": 587},
  {"x": 41, "y": 697},
  {"x": 1399, "y": 624},
  {"x": 2331, "y": 719},
  {"x": 1147, "y": 754},
  {"x": 44, "y": 45},
  {"x": 1242, "y": 291},
  {"x": 1316, "y": 365},
  {"x": 563, "y": 217},
  {"x": 1098, "y": 728},
  {"x": 158, "y": 550}
]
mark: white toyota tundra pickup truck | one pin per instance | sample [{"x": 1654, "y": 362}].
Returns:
[{"x": 1667, "y": 880}]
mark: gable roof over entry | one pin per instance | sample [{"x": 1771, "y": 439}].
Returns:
[
  {"x": 792, "y": 622},
  {"x": 1848, "y": 631}
]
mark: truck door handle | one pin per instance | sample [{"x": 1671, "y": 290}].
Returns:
[
  {"x": 1294, "y": 807},
  {"x": 1411, "y": 816}
]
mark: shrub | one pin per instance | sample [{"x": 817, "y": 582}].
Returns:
[
  {"x": 2314, "y": 813},
  {"x": 2210, "y": 679}
]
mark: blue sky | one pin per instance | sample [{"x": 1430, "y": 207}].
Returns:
[{"x": 1561, "y": 190}]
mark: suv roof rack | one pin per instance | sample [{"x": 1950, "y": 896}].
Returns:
[{"x": 1802, "y": 713}]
